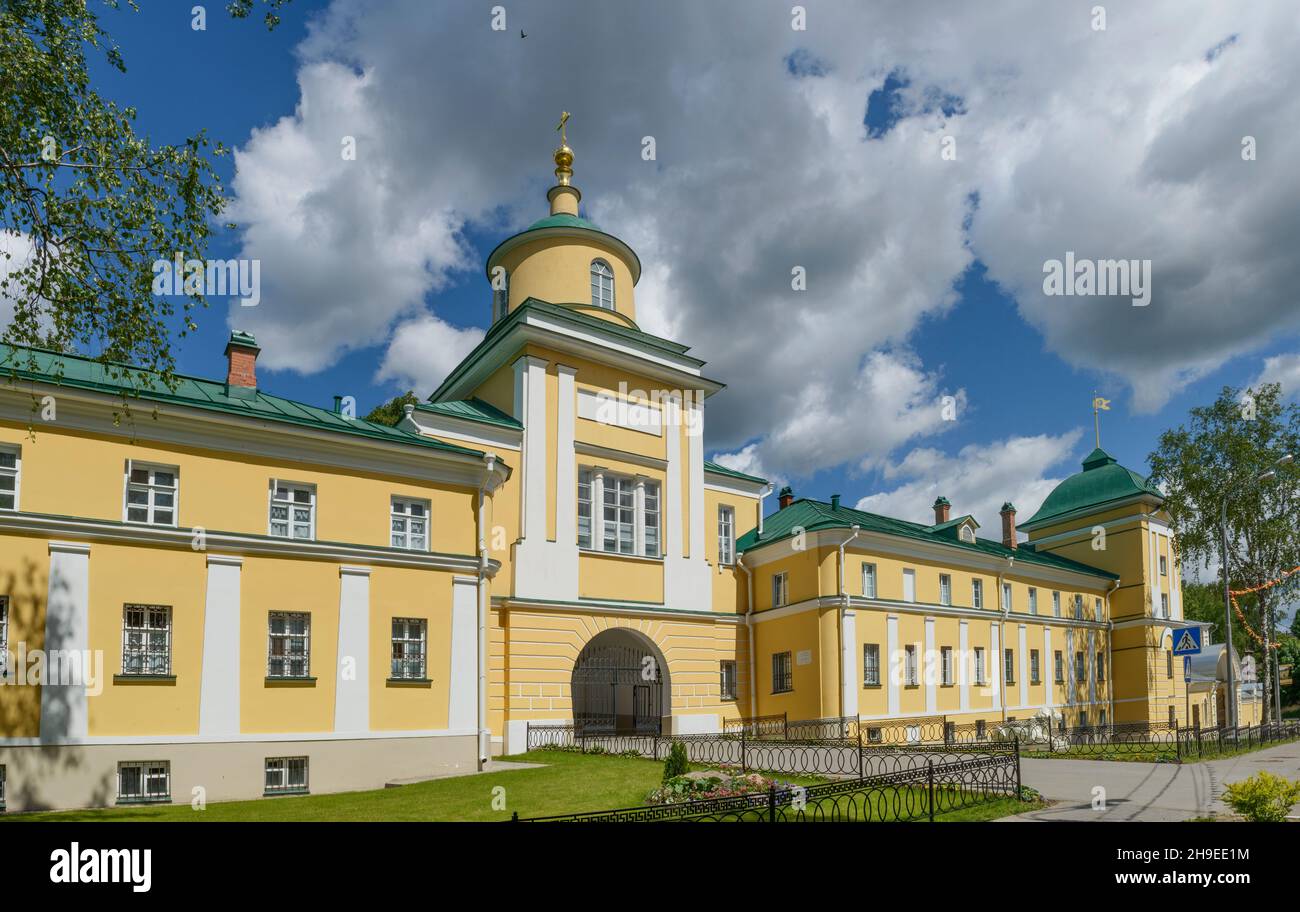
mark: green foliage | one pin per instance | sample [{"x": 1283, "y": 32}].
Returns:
[
  {"x": 1217, "y": 457},
  {"x": 677, "y": 763},
  {"x": 392, "y": 411},
  {"x": 240, "y": 9},
  {"x": 1204, "y": 602},
  {"x": 1263, "y": 797}
]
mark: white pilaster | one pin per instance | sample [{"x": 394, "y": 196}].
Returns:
[
  {"x": 963, "y": 665},
  {"x": 352, "y": 687},
  {"x": 598, "y": 507},
  {"x": 931, "y": 685},
  {"x": 998, "y": 672},
  {"x": 566, "y": 477},
  {"x": 1092, "y": 666},
  {"x": 674, "y": 493},
  {"x": 638, "y": 503},
  {"x": 687, "y": 585},
  {"x": 1049, "y": 669},
  {"x": 1069, "y": 666},
  {"x": 1023, "y": 662},
  {"x": 530, "y": 410},
  {"x": 849, "y": 662},
  {"x": 219, "y": 680},
  {"x": 67, "y": 644},
  {"x": 463, "y": 673},
  {"x": 895, "y": 662},
  {"x": 695, "y": 453}
]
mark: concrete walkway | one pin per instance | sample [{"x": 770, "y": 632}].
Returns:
[{"x": 1146, "y": 791}]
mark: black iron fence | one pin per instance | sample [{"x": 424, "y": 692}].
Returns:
[
  {"x": 775, "y": 726},
  {"x": 935, "y": 784}
]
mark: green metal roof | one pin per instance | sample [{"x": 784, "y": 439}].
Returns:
[
  {"x": 815, "y": 515},
  {"x": 723, "y": 470},
  {"x": 568, "y": 314},
  {"x": 1103, "y": 481},
  {"x": 80, "y": 372},
  {"x": 472, "y": 410},
  {"x": 563, "y": 220}
]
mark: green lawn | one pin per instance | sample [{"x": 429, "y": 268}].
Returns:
[{"x": 568, "y": 783}]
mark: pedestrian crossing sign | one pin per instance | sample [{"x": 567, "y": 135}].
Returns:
[{"x": 1187, "y": 641}]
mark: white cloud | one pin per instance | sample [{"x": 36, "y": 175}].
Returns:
[
  {"x": 977, "y": 480},
  {"x": 1117, "y": 143},
  {"x": 423, "y": 352},
  {"x": 1282, "y": 369}
]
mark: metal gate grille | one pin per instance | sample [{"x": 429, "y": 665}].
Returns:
[{"x": 617, "y": 689}]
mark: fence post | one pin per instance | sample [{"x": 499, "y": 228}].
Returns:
[
  {"x": 929, "y": 779},
  {"x": 771, "y": 804},
  {"x": 742, "y": 750},
  {"x": 528, "y": 736},
  {"x": 1200, "y": 746},
  {"x": 1178, "y": 745},
  {"x": 785, "y": 725},
  {"x": 514, "y": 816},
  {"x": 1018, "y": 785},
  {"x": 859, "y": 754},
  {"x": 1049, "y": 733}
]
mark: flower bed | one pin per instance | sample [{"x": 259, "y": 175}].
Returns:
[{"x": 712, "y": 784}]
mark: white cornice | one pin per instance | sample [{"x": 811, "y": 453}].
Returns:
[
  {"x": 600, "y": 452},
  {"x": 727, "y": 484},
  {"x": 471, "y": 433},
  {"x": 925, "y": 609},
  {"x": 594, "y": 606},
  {"x": 91, "y": 530}
]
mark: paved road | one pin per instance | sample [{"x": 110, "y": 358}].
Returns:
[{"x": 1146, "y": 791}]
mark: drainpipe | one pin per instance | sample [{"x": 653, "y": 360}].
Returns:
[
  {"x": 749, "y": 626},
  {"x": 762, "y": 495},
  {"x": 1110, "y": 652},
  {"x": 1001, "y": 659},
  {"x": 484, "y": 736},
  {"x": 844, "y": 604}
]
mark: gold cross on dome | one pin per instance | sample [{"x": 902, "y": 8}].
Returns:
[{"x": 564, "y": 118}]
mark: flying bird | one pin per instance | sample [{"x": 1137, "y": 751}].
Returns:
[{"x": 521, "y": 34}]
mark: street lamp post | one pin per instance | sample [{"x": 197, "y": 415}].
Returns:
[{"x": 1271, "y": 656}]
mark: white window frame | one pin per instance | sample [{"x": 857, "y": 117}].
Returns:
[
  {"x": 1009, "y": 665},
  {"x": 911, "y": 675},
  {"x": 780, "y": 589},
  {"x": 980, "y": 665},
  {"x": 1096, "y": 608},
  {"x": 1056, "y": 604},
  {"x": 786, "y": 659},
  {"x": 408, "y": 667},
  {"x": 587, "y": 480},
  {"x": 16, "y": 473},
  {"x": 1101, "y": 666},
  {"x": 1033, "y": 600},
  {"x": 1035, "y": 667},
  {"x": 1058, "y": 666},
  {"x": 147, "y": 647},
  {"x": 945, "y": 589},
  {"x": 4, "y": 635},
  {"x": 602, "y": 284},
  {"x": 870, "y": 664},
  {"x": 1080, "y": 666},
  {"x": 728, "y": 680},
  {"x": 406, "y": 518},
  {"x": 1164, "y": 605},
  {"x": 616, "y": 486},
  {"x": 977, "y": 593},
  {"x": 149, "y": 772},
  {"x": 1078, "y": 607},
  {"x": 1006, "y": 596},
  {"x": 290, "y": 505},
  {"x": 285, "y": 658},
  {"x": 726, "y": 535},
  {"x": 869, "y": 574},
  {"x": 282, "y": 767},
  {"x": 151, "y": 489},
  {"x": 945, "y": 665},
  {"x": 1164, "y": 565},
  {"x": 649, "y": 506}
]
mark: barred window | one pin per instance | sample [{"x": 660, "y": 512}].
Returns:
[
  {"x": 650, "y": 518},
  {"x": 1035, "y": 673},
  {"x": 1009, "y": 660},
  {"x": 945, "y": 664},
  {"x": 1058, "y": 667},
  {"x": 289, "y": 651},
  {"x": 1101, "y": 665},
  {"x": 981, "y": 729},
  {"x": 1080, "y": 669},
  {"x": 409, "y": 648},
  {"x": 410, "y": 524},
  {"x": 871, "y": 664},
  {"x": 584, "y": 508},
  {"x": 144, "y": 781},
  {"x": 1083, "y": 718},
  {"x": 782, "y": 673},
  {"x": 293, "y": 510},
  {"x": 151, "y": 494},
  {"x": 10, "y": 468},
  {"x": 869, "y": 580},
  {"x": 146, "y": 640},
  {"x": 909, "y": 665},
  {"x": 602, "y": 285},
  {"x": 945, "y": 589},
  {"x": 726, "y": 535},
  {"x": 286, "y": 775},
  {"x": 727, "y": 675},
  {"x": 1169, "y": 664},
  {"x": 979, "y": 664}
]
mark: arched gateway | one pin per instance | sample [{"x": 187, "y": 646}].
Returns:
[{"x": 620, "y": 685}]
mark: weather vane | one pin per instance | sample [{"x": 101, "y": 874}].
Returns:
[{"x": 1099, "y": 405}]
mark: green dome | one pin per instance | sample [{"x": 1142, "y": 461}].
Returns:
[
  {"x": 1103, "y": 481},
  {"x": 562, "y": 220}
]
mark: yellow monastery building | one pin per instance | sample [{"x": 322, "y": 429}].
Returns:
[{"x": 212, "y": 592}]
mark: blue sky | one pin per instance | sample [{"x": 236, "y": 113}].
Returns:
[{"x": 1019, "y": 379}]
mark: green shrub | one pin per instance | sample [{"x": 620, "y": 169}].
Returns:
[
  {"x": 1263, "y": 797},
  {"x": 677, "y": 763}
]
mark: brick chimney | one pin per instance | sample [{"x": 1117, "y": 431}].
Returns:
[
  {"x": 241, "y": 356},
  {"x": 941, "y": 510},
  {"x": 785, "y": 498},
  {"x": 1009, "y": 524}
]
